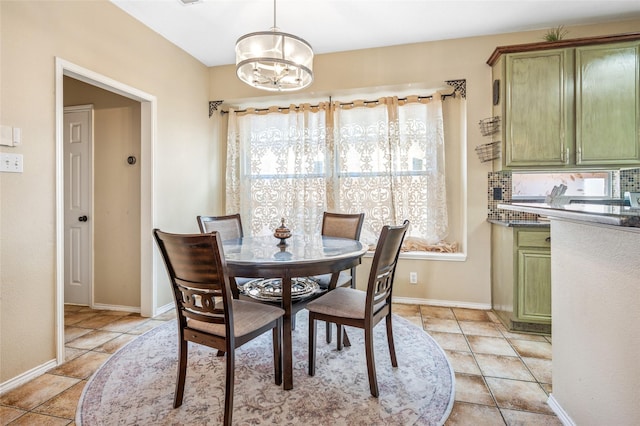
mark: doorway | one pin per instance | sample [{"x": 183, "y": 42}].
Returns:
[{"x": 144, "y": 160}]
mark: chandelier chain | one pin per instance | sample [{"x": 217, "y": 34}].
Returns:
[{"x": 275, "y": 27}]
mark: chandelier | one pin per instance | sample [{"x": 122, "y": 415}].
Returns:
[{"x": 273, "y": 60}]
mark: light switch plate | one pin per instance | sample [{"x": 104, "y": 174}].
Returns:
[{"x": 11, "y": 163}]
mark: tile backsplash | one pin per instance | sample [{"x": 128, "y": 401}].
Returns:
[
  {"x": 500, "y": 190},
  {"x": 629, "y": 181}
]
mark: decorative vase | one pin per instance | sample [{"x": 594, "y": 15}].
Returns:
[{"x": 282, "y": 232}]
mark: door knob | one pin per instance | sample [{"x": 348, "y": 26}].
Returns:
[{"x": 82, "y": 218}]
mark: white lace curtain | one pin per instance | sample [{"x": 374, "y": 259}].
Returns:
[{"x": 383, "y": 158}]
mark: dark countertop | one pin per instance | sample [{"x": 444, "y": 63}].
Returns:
[
  {"x": 520, "y": 223},
  {"x": 594, "y": 213}
]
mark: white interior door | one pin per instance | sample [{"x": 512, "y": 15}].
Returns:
[{"x": 78, "y": 212}]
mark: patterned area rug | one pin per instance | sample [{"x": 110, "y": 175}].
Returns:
[{"x": 135, "y": 386}]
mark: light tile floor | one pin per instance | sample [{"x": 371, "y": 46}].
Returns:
[{"x": 501, "y": 377}]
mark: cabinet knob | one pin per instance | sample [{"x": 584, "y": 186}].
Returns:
[{"x": 548, "y": 239}]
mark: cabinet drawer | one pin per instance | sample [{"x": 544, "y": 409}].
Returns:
[{"x": 533, "y": 239}]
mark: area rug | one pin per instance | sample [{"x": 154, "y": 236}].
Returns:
[{"x": 135, "y": 386}]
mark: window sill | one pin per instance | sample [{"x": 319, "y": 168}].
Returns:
[{"x": 425, "y": 255}]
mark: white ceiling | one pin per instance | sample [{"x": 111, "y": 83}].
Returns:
[{"x": 209, "y": 29}]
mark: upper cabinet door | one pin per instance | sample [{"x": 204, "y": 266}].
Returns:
[
  {"x": 539, "y": 108},
  {"x": 607, "y": 104}
]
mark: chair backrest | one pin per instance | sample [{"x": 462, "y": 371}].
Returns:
[
  {"x": 229, "y": 227},
  {"x": 383, "y": 267},
  {"x": 198, "y": 274},
  {"x": 342, "y": 225}
]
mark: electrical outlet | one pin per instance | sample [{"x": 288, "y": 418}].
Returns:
[
  {"x": 413, "y": 278},
  {"x": 497, "y": 193},
  {"x": 11, "y": 163}
]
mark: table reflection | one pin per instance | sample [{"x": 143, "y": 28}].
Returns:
[{"x": 299, "y": 248}]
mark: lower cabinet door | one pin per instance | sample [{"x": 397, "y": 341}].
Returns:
[{"x": 534, "y": 285}]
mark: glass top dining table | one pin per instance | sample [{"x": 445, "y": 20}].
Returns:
[{"x": 302, "y": 256}]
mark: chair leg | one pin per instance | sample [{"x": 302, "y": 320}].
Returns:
[
  {"x": 228, "y": 395},
  {"x": 392, "y": 348},
  {"x": 345, "y": 339},
  {"x": 220, "y": 353},
  {"x": 277, "y": 352},
  {"x": 312, "y": 344},
  {"x": 339, "y": 331},
  {"x": 183, "y": 353},
  {"x": 371, "y": 365}
]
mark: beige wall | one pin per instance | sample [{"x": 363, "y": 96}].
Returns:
[
  {"x": 116, "y": 193},
  {"x": 424, "y": 65},
  {"x": 100, "y": 37}
]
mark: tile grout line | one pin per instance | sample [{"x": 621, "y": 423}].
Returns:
[{"x": 484, "y": 379}]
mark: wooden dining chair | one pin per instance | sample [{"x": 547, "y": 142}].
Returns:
[
  {"x": 230, "y": 228},
  {"x": 341, "y": 225},
  {"x": 363, "y": 309},
  {"x": 207, "y": 313}
]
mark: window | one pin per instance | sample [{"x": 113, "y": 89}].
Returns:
[
  {"x": 580, "y": 185},
  {"x": 383, "y": 158}
]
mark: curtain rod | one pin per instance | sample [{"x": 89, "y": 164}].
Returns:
[{"x": 447, "y": 95}]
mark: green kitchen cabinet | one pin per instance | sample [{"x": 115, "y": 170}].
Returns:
[
  {"x": 534, "y": 285},
  {"x": 608, "y": 104},
  {"x": 538, "y": 108},
  {"x": 569, "y": 104},
  {"x": 521, "y": 277}
]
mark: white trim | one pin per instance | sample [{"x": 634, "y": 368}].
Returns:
[
  {"x": 148, "y": 112},
  {"x": 148, "y": 279},
  {"x": 27, "y": 376},
  {"x": 562, "y": 415},
  {"x": 427, "y": 255},
  {"x": 464, "y": 194},
  {"x": 443, "y": 303},
  {"x": 166, "y": 308},
  {"x": 121, "y": 308}
]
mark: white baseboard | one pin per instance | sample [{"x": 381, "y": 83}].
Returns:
[
  {"x": 27, "y": 376},
  {"x": 443, "y": 303},
  {"x": 159, "y": 311},
  {"x": 162, "y": 309},
  {"x": 562, "y": 415},
  {"x": 134, "y": 309}
]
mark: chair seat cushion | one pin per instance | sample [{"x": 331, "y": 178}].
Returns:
[
  {"x": 247, "y": 317},
  {"x": 344, "y": 280},
  {"x": 341, "y": 302}
]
